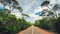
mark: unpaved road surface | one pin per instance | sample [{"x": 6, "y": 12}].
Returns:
[{"x": 35, "y": 30}]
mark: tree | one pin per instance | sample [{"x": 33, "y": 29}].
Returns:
[
  {"x": 13, "y": 4},
  {"x": 51, "y": 11},
  {"x": 37, "y": 23},
  {"x": 11, "y": 24},
  {"x": 55, "y": 8},
  {"x": 45, "y": 3},
  {"x": 5, "y": 2},
  {"x": 25, "y": 15},
  {"x": 52, "y": 25}
]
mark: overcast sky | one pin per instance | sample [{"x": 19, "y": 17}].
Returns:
[{"x": 29, "y": 6}]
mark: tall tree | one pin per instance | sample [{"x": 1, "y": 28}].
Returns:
[{"x": 46, "y": 4}]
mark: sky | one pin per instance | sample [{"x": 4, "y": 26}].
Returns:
[
  {"x": 29, "y": 7},
  {"x": 32, "y": 8},
  {"x": 1, "y": 6}
]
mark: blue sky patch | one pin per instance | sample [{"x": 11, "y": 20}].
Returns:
[
  {"x": 38, "y": 13},
  {"x": 1, "y": 7}
]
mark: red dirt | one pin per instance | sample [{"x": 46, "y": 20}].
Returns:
[{"x": 35, "y": 30}]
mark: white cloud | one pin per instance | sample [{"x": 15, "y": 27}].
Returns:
[
  {"x": 29, "y": 6},
  {"x": 7, "y": 7},
  {"x": 55, "y": 1},
  {"x": 52, "y": 1},
  {"x": 18, "y": 15},
  {"x": 38, "y": 9},
  {"x": 35, "y": 17}
]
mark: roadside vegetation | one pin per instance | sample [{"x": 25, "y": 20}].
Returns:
[
  {"x": 10, "y": 24},
  {"x": 50, "y": 21},
  {"x": 52, "y": 25}
]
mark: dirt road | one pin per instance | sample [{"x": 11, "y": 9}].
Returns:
[{"x": 34, "y": 30}]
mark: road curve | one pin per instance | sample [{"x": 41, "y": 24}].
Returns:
[{"x": 34, "y": 30}]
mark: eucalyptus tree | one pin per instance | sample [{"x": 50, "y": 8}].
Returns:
[
  {"x": 56, "y": 7},
  {"x": 6, "y": 11},
  {"x": 25, "y": 15},
  {"x": 11, "y": 3},
  {"x": 5, "y": 3},
  {"x": 47, "y": 13},
  {"x": 46, "y": 4},
  {"x": 16, "y": 5}
]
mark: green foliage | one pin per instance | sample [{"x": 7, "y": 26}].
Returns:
[
  {"x": 11, "y": 24},
  {"x": 1, "y": 19},
  {"x": 25, "y": 15},
  {"x": 15, "y": 2},
  {"x": 37, "y": 23},
  {"x": 19, "y": 8},
  {"x": 52, "y": 24},
  {"x": 45, "y": 3}
]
